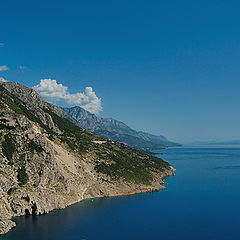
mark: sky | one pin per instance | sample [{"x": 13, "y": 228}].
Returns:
[{"x": 166, "y": 67}]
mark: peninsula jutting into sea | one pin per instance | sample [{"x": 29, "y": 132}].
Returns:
[{"x": 47, "y": 162}]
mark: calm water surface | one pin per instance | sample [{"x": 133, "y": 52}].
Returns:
[{"x": 202, "y": 201}]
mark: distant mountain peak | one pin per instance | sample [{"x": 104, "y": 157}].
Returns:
[{"x": 116, "y": 130}]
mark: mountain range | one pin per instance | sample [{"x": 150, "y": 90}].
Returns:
[{"x": 116, "y": 130}]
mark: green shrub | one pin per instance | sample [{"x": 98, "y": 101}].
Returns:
[
  {"x": 22, "y": 176},
  {"x": 34, "y": 146},
  {"x": 8, "y": 148},
  {"x": 11, "y": 190},
  {"x": 3, "y": 126},
  {"x": 15, "y": 108},
  {"x": 51, "y": 137}
]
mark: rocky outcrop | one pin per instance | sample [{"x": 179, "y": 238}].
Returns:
[{"x": 47, "y": 163}]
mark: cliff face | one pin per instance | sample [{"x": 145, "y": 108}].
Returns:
[
  {"x": 116, "y": 130},
  {"x": 47, "y": 162}
]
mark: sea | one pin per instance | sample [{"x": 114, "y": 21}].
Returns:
[{"x": 201, "y": 202}]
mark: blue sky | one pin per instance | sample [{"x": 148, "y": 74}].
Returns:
[{"x": 166, "y": 67}]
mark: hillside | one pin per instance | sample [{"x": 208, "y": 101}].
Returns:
[
  {"x": 47, "y": 162},
  {"x": 116, "y": 130}
]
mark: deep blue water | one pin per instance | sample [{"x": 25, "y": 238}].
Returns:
[{"x": 202, "y": 201}]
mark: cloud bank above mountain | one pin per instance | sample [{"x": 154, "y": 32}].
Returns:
[{"x": 55, "y": 92}]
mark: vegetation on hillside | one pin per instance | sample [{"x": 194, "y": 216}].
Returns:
[
  {"x": 22, "y": 176},
  {"x": 75, "y": 137},
  {"x": 114, "y": 159},
  {"x": 120, "y": 161},
  {"x": 18, "y": 107},
  {"x": 32, "y": 146},
  {"x": 8, "y": 148}
]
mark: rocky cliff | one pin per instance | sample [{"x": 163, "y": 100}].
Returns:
[
  {"x": 47, "y": 162},
  {"x": 116, "y": 130}
]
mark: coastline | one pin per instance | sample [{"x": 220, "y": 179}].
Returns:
[{"x": 158, "y": 184}]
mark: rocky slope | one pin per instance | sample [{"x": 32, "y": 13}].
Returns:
[
  {"x": 47, "y": 162},
  {"x": 116, "y": 130}
]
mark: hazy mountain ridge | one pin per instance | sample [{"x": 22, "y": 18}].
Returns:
[
  {"x": 116, "y": 130},
  {"x": 47, "y": 162},
  {"x": 212, "y": 143}
]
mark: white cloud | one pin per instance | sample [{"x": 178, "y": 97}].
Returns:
[
  {"x": 4, "y": 68},
  {"x": 54, "y": 92}
]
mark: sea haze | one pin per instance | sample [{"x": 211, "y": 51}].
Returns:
[{"x": 201, "y": 202}]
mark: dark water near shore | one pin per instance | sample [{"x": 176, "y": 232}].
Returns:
[{"x": 202, "y": 201}]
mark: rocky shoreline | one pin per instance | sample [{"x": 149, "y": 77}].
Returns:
[{"x": 7, "y": 224}]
